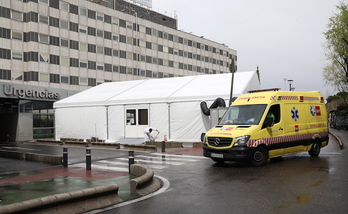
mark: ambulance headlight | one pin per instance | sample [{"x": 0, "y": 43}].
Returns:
[{"x": 242, "y": 140}]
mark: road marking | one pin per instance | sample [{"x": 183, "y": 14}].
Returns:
[
  {"x": 174, "y": 155},
  {"x": 167, "y": 158}
]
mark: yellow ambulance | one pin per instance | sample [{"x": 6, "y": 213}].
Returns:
[{"x": 267, "y": 124}]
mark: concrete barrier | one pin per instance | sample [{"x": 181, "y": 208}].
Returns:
[
  {"x": 51, "y": 159},
  {"x": 167, "y": 144},
  {"x": 146, "y": 182},
  {"x": 140, "y": 147},
  {"x": 197, "y": 145},
  {"x": 44, "y": 158},
  {"x": 71, "y": 202},
  {"x": 12, "y": 154}
]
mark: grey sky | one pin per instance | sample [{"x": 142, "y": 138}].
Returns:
[{"x": 283, "y": 37}]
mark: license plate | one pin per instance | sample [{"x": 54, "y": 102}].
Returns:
[{"x": 214, "y": 155}]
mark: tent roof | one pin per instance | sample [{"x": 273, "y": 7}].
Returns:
[{"x": 178, "y": 89}]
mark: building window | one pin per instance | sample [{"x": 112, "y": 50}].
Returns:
[
  {"x": 64, "y": 24},
  {"x": 43, "y": 77},
  {"x": 143, "y": 116},
  {"x": 83, "y": 64},
  {"x": 43, "y": 38},
  {"x": 83, "y": 29},
  {"x": 54, "y": 78},
  {"x": 83, "y": 11},
  {"x": 92, "y": 82},
  {"x": 114, "y": 20},
  {"x": 131, "y": 117},
  {"x": 114, "y": 68},
  {"x": 43, "y": 19},
  {"x": 15, "y": 15},
  {"x": 83, "y": 46},
  {"x": 17, "y": 75},
  {"x": 100, "y": 33},
  {"x": 100, "y": 16},
  {"x": 64, "y": 6},
  {"x": 44, "y": 57},
  {"x": 43, "y": 2},
  {"x": 74, "y": 80},
  {"x": 17, "y": 35},
  {"x": 83, "y": 81},
  {"x": 17, "y": 55},
  {"x": 64, "y": 61},
  {"x": 100, "y": 50},
  {"x": 100, "y": 66},
  {"x": 64, "y": 79}
]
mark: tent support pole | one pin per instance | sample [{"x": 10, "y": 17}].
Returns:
[
  {"x": 169, "y": 130},
  {"x": 107, "y": 122}
]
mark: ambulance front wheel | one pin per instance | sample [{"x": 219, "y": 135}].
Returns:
[
  {"x": 260, "y": 156},
  {"x": 315, "y": 150}
]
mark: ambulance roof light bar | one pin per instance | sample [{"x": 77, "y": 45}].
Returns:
[{"x": 263, "y": 90}]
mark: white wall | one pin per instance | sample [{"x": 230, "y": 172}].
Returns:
[{"x": 81, "y": 122}]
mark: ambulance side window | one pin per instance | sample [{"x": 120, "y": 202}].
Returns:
[{"x": 274, "y": 112}]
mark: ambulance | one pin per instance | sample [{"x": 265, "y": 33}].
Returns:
[{"x": 268, "y": 124}]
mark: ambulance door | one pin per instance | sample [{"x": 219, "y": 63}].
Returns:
[
  {"x": 297, "y": 115},
  {"x": 137, "y": 119},
  {"x": 274, "y": 134}
]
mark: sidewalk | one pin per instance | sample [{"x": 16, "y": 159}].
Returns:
[{"x": 30, "y": 180}]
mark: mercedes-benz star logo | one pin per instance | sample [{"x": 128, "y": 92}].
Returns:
[{"x": 217, "y": 141}]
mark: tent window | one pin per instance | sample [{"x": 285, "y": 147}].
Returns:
[
  {"x": 143, "y": 117},
  {"x": 131, "y": 115}
]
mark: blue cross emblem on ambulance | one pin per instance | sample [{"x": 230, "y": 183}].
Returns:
[
  {"x": 313, "y": 111},
  {"x": 294, "y": 113}
]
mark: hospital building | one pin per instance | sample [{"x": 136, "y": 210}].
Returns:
[{"x": 52, "y": 49}]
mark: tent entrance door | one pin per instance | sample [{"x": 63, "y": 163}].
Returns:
[{"x": 137, "y": 119}]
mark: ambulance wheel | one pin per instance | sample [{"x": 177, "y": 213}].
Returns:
[
  {"x": 218, "y": 160},
  {"x": 315, "y": 150},
  {"x": 260, "y": 156}
]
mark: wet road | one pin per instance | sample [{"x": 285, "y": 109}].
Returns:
[{"x": 295, "y": 184}]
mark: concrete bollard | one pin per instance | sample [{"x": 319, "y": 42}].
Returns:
[
  {"x": 88, "y": 159},
  {"x": 130, "y": 160},
  {"x": 65, "y": 157}
]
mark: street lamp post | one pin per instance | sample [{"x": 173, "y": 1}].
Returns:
[
  {"x": 232, "y": 70},
  {"x": 290, "y": 82}
]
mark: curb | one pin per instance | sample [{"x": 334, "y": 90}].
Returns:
[
  {"x": 70, "y": 202},
  {"x": 338, "y": 140},
  {"x": 145, "y": 183}
]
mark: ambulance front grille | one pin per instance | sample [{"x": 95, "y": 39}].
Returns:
[{"x": 219, "y": 141}]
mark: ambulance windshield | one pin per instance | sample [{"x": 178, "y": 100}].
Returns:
[{"x": 243, "y": 115}]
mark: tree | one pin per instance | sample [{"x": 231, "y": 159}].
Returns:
[{"x": 336, "y": 49}]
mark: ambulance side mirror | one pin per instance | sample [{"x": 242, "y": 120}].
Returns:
[{"x": 268, "y": 122}]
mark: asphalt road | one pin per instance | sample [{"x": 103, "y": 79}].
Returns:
[{"x": 295, "y": 184}]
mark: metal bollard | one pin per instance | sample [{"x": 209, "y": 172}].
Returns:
[
  {"x": 88, "y": 159},
  {"x": 130, "y": 160},
  {"x": 163, "y": 146},
  {"x": 65, "y": 157}
]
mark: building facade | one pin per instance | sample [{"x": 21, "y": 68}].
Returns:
[{"x": 50, "y": 49}]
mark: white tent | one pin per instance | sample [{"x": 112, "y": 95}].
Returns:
[{"x": 118, "y": 110}]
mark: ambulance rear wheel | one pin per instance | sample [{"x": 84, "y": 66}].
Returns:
[
  {"x": 260, "y": 156},
  {"x": 315, "y": 150},
  {"x": 218, "y": 160}
]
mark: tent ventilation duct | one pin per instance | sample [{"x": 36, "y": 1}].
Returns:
[{"x": 219, "y": 102}]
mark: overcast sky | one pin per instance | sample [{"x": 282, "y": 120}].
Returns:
[{"x": 283, "y": 37}]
